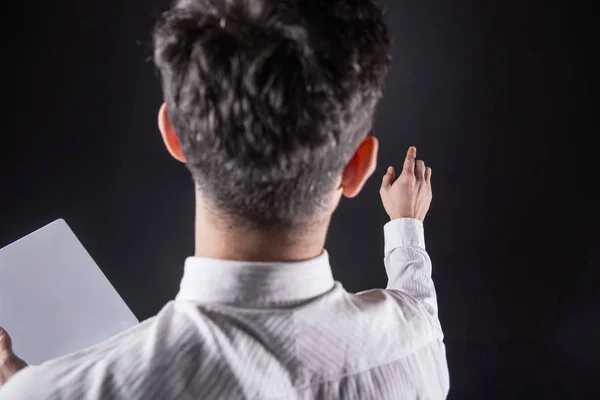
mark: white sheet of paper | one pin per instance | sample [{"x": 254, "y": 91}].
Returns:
[{"x": 54, "y": 300}]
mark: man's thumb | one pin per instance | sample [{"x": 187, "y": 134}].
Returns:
[
  {"x": 388, "y": 178},
  {"x": 5, "y": 342}
]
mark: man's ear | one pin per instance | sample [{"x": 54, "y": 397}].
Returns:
[
  {"x": 360, "y": 168},
  {"x": 168, "y": 134}
]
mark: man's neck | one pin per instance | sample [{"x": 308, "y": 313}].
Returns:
[{"x": 215, "y": 240}]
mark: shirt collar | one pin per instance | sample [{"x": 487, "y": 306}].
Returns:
[{"x": 255, "y": 283}]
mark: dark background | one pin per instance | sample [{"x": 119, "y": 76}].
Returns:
[{"x": 496, "y": 95}]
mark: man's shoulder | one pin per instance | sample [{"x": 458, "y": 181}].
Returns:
[{"x": 369, "y": 328}]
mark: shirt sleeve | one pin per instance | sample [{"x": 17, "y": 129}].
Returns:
[
  {"x": 407, "y": 264},
  {"x": 24, "y": 386}
]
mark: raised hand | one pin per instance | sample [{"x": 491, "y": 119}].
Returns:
[{"x": 410, "y": 195}]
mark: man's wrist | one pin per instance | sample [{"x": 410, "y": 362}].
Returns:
[
  {"x": 401, "y": 217},
  {"x": 403, "y": 232}
]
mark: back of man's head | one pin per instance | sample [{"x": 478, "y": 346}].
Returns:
[{"x": 270, "y": 98}]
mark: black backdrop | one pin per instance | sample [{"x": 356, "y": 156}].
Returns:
[{"x": 497, "y": 97}]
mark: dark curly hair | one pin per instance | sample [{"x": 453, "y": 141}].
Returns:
[{"x": 271, "y": 98}]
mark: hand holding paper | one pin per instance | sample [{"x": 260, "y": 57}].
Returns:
[
  {"x": 54, "y": 300},
  {"x": 10, "y": 364}
]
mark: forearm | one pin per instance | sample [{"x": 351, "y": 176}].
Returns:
[{"x": 407, "y": 263}]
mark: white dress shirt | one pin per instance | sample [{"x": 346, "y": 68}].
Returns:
[{"x": 269, "y": 331}]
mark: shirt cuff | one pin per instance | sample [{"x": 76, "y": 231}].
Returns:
[{"x": 403, "y": 232}]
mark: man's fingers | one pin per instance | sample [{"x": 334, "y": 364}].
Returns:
[
  {"x": 409, "y": 162},
  {"x": 428, "y": 174},
  {"x": 388, "y": 178},
  {"x": 420, "y": 170}
]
